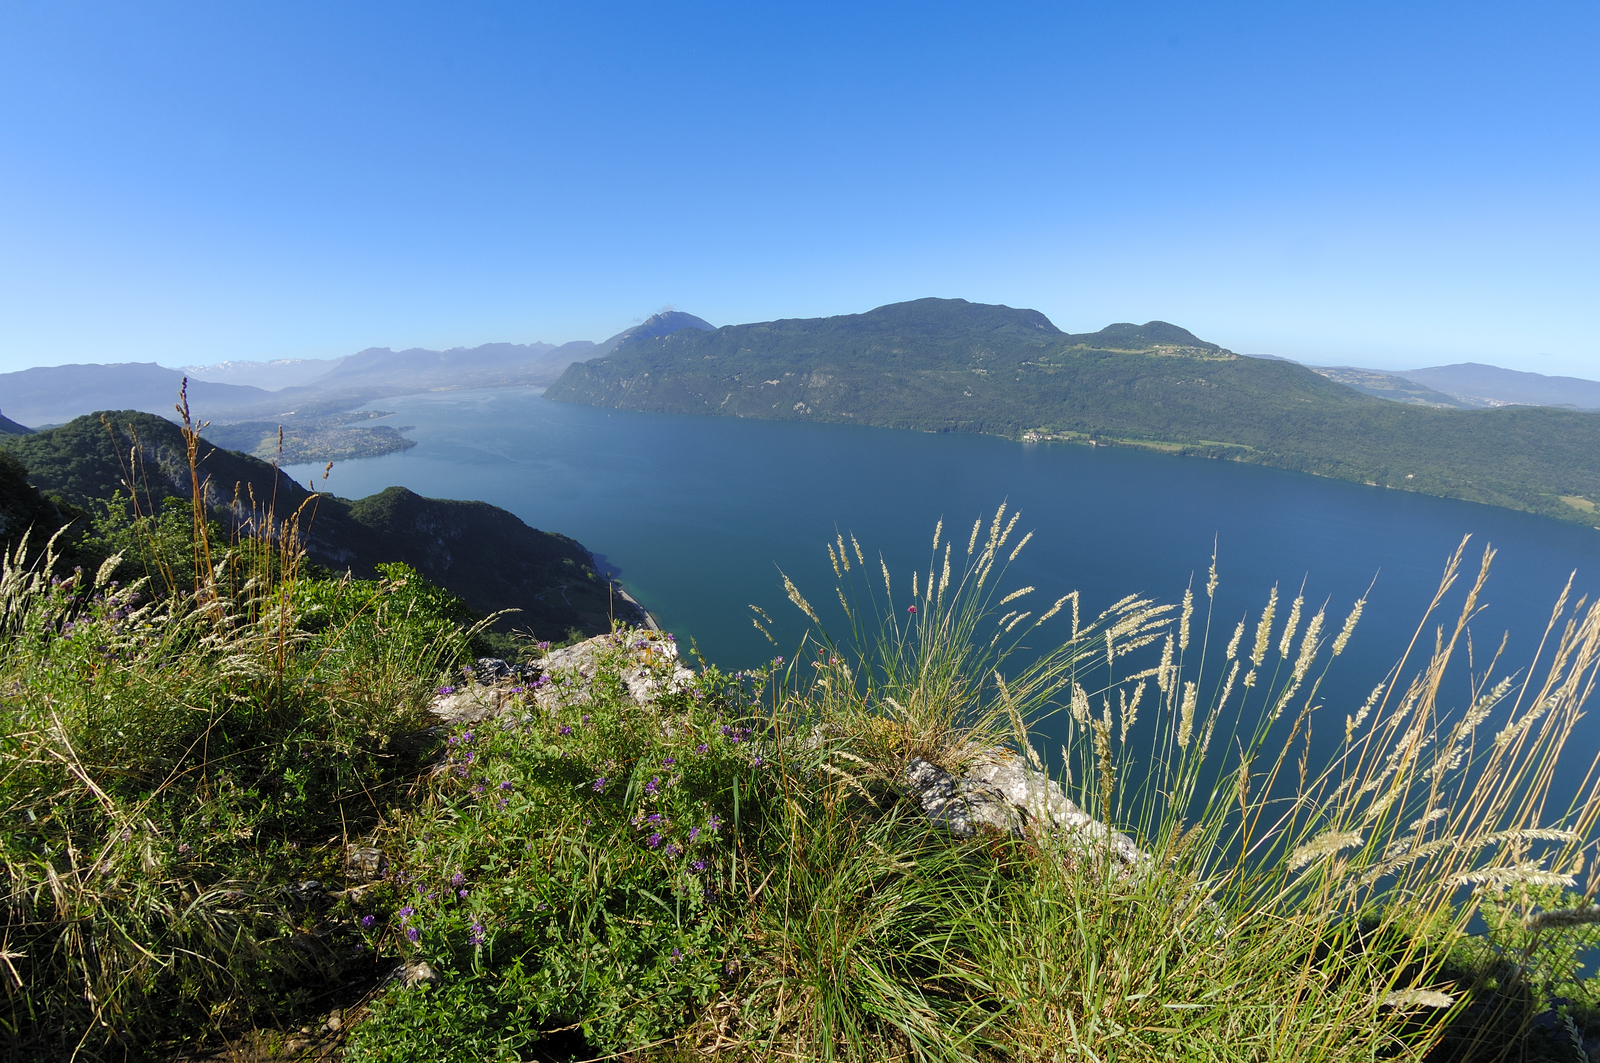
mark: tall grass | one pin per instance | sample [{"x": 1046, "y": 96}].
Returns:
[{"x": 176, "y": 759}]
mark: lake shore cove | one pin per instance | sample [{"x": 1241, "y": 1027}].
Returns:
[{"x": 855, "y": 852}]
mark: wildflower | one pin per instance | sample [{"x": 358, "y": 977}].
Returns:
[
  {"x": 476, "y": 935},
  {"x": 653, "y": 785},
  {"x": 457, "y": 879},
  {"x": 654, "y": 817},
  {"x": 699, "y": 865},
  {"x": 674, "y": 957},
  {"x": 367, "y": 922},
  {"x": 672, "y": 850},
  {"x": 600, "y": 785},
  {"x": 506, "y": 785},
  {"x": 713, "y": 823},
  {"x": 702, "y": 749},
  {"x": 407, "y": 912},
  {"x": 694, "y": 834},
  {"x": 564, "y": 730},
  {"x": 654, "y": 840},
  {"x": 462, "y": 895},
  {"x": 446, "y": 690},
  {"x": 911, "y": 609},
  {"x": 669, "y": 762},
  {"x": 413, "y": 935}
]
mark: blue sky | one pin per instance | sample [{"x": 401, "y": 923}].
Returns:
[{"x": 1391, "y": 185}]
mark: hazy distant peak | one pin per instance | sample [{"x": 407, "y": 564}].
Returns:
[
  {"x": 662, "y": 324},
  {"x": 272, "y": 375},
  {"x": 1494, "y": 386}
]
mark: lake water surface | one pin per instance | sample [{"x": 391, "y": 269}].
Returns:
[{"x": 698, "y": 514}]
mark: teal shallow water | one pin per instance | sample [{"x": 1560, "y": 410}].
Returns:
[{"x": 698, "y": 514}]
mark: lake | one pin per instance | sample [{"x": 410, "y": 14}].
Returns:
[{"x": 697, "y": 515}]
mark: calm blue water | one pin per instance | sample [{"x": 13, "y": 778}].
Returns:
[{"x": 697, "y": 514}]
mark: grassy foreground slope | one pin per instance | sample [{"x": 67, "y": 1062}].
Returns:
[
  {"x": 486, "y": 555},
  {"x": 951, "y": 365}
]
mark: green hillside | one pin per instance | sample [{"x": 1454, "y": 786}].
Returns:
[
  {"x": 949, "y": 365},
  {"x": 487, "y": 556}
]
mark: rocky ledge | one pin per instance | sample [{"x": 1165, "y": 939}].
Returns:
[{"x": 999, "y": 792}]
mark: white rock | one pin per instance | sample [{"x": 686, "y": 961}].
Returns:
[{"x": 1007, "y": 795}]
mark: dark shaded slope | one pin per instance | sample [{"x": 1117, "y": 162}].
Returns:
[
  {"x": 484, "y": 554},
  {"x": 8, "y": 427},
  {"x": 949, "y": 365},
  {"x": 494, "y": 560},
  {"x": 26, "y": 511}
]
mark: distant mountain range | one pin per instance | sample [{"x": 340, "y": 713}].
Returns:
[
  {"x": 274, "y": 375},
  {"x": 1463, "y": 386},
  {"x": 951, "y": 365},
  {"x": 313, "y": 409},
  {"x": 480, "y": 552}
]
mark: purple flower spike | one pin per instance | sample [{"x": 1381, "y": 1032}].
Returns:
[
  {"x": 699, "y": 865},
  {"x": 413, "y": 935},
  {"x": 600, "y": 785},
  {"x": 653, "y": 841},
  {"x": 367, "y": 922},
  {"x": 457, "y": 879},
  {"x": 407, "y": 912},
  {"x": 564, "y": 730}
]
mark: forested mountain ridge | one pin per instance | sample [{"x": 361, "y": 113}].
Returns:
[
  {"x": 950, "y": 365},
  {"x": 482, "y": 553}
]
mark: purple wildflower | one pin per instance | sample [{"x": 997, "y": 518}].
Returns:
[
  {"x": 699, "y": 865},
  {"x": 457, "y": 879},
  {"x": 446, "y": 690},
  {"x": 694, "y": 834},
  {"x": 702, "y": 749},
  {"x": 669, "y": 762},
  {"x": 653, "y": 785},
  {"x": 653, "y": 841},
  {"x": 413, "y": 935},
  {"x": 476, "y": 935},
  {"x": 462, "y": 895},
  {"x": 407, "y": 912},
  {"x": 564, "y": 730},
  {"x": 600, "y": 785},
  {"x": 367, "y": 922}
]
